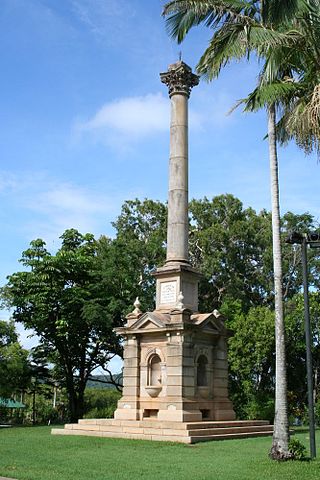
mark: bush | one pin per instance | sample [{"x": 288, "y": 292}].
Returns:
[
  {"x": 260, "y": 409},
  {"x": 297, "y": 449},
  {"x": 100, "y": 403}
]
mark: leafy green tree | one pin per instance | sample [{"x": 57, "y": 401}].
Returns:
[
  {"x": 230, "y": 245},
  {"x": 14, "y": 366},
  {"x": 296, "y": 345},
  {"x": 100, "y": 403},
  {"x": 251, "y": 359},
  {"x": 65, "y": 299},
  {"x": 138, "y": 249}
]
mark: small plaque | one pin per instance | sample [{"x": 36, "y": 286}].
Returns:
[{"x": 168, "y": 292}]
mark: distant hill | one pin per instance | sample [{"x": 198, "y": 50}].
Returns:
[{"x": 100, "y": 381}]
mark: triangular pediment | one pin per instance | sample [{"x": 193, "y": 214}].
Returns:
[
  {"x": 210, "y": 326},
  {"x": 210, "y": 322},
  {"x": 149, "y": 324},
  {"x": 150, "y": 320}
]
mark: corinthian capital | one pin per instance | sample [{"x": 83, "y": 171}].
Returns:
[{"x": 179, "y": 79}]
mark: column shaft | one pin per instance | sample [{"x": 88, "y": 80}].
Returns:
[{"x": 177, "y": 234}]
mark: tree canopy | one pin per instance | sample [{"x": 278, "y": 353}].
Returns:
[
  {"x": 65, "y": 300},
  {"x": 14, "y": 366}
]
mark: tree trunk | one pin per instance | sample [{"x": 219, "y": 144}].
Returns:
[
  {"x": 75, "y": 394},
  {"x": 279, "y": 449},
  {"x": 76, "y": 405}
]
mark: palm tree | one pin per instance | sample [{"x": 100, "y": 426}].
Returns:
[
  {"x": 240, "y": 28},
  {"x": 294, "y": 84}
]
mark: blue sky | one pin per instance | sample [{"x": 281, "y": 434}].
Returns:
[{"x": 85, "y": 122}]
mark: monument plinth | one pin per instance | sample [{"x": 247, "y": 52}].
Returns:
[{"x": 175, "y": 373}]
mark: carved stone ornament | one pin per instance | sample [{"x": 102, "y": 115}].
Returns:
[
  {"x": 180, "y": 305},
  {"x": 137, "y": 306},
  {"x": 179, "y": 79}
]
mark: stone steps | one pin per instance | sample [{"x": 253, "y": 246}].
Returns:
[
  {"x": 168, "y": 424},
  {"x": 192, "y": 432},
  {"x": 229, "y": 436}
]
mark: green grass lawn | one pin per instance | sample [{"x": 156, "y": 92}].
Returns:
[{"x": 34, "y": 454}]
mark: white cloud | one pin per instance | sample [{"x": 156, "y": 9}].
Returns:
[
  {"x": 47, "y": 207},
  {"x": 133, "y": 116},
  {"x": 69, "y": 199},
  {"x": 127, "y": 120}
]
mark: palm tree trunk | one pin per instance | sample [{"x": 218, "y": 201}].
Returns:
[{"x": 279, "y": 450}]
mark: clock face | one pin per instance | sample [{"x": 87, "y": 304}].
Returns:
[{"x": 168, "y": 292}]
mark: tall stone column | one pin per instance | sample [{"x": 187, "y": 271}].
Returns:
[
  {"x": 179, "y": 80},
  {"x": 177, "y": 281}
]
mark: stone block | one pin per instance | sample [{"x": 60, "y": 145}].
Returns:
[
  {"x": 174, "y": 390},
  {"x": 174, "y": 371},
  {"x": 220, "y": 382},
  {"x": 174, "y": 380},
  {"x": 130, "y": 382},
  {"x": 131, "y": 362},
  {"x": 220, "y": 373},
  {"x": 189, "y": 371},
  {"x": 220, "y": 364},
  {"x": 139, "y": 436},
  {"x": 132, "y": 372},
  {"x": 221, "y": 355},
  {"x": 174, "y": 432},
  {"x": 131, "y": 351},
  {"x": 188, "y": 391},
  {"x": 113, "y": 435},
  {"x": 174, "y": 351},
  {"x": 133, "y": 430},
  {"x": 160, "y": 438},
  {"x": 220, "y": 392},
  {"x": 188, "y": 381},
  {"x": 152, "y": 431},
  {"x": 130, "y": 391},
  {"x": 126, "y": 414}
]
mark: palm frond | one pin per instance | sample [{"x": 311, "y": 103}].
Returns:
[
  {"x": 227, "y": 44},
  {"x": 276, "y": 15},
  {"x": 283, "y": 62},
  {"x": 238, "y": 40},
  {"x": 277, "y": 93},
  {"x": 182, "y": 15}
]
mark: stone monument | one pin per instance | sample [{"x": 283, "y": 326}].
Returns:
[
  {"x": 175, "y": 359},
  {"x": 175, "y": 375}
]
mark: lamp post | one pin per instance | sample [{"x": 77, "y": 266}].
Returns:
[{"x": 312, "y": 239}]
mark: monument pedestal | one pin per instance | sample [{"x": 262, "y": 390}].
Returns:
[
  {"x": 175, "y": 366},
  {"x": 175, "y": 383}
]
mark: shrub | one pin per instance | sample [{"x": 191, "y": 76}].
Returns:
[
  {"x": 260, "y": 409},
  {"x": 100, "y": 403},
  {"x": 297, "y": 449}
]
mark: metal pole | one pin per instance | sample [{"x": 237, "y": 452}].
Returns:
[
  {"x": 308, "y": 348},
  {"x": 34, "y": 406}
]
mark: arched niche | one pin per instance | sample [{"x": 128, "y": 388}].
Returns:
[
  {"x": 202, "y": 371},
  {"x": 154, "y": 370}
]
